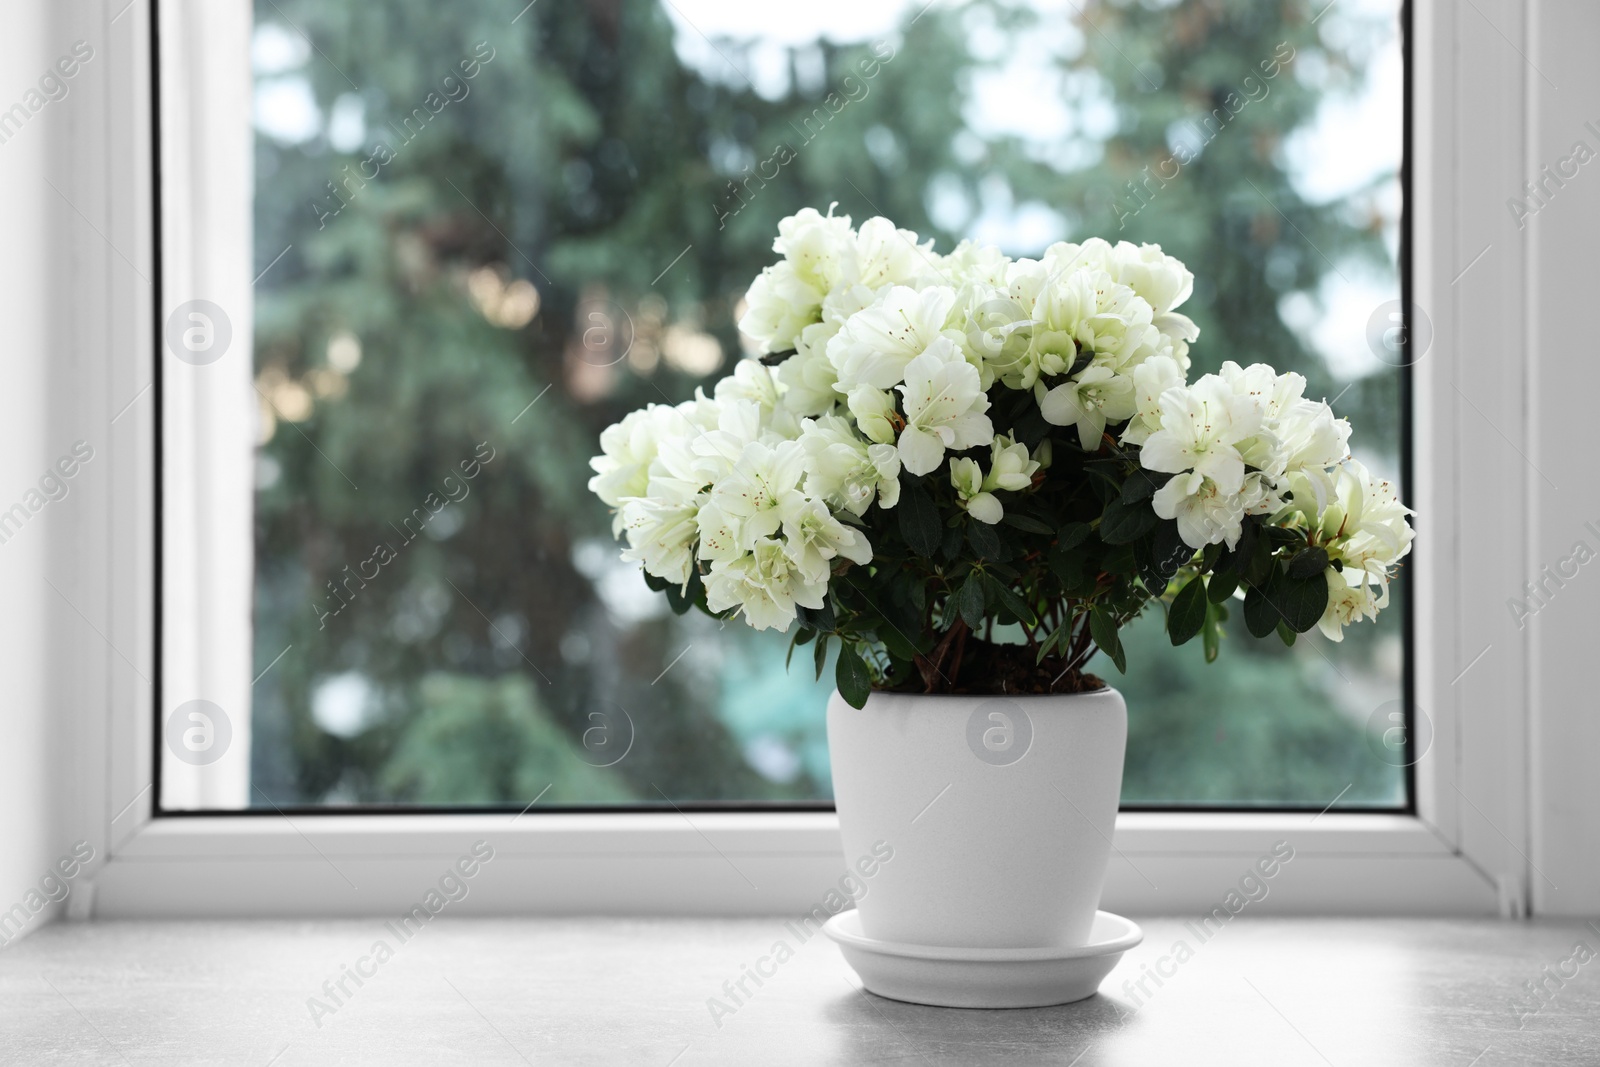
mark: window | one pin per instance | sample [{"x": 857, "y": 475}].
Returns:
[{"x": 478, "y": 240}]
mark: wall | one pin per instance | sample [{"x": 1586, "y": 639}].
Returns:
[
  {"x": 32, "y": 622},
  {"x": 1563, "y": 356}
]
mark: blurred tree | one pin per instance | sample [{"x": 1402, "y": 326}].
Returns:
[{"x": 501, "y": 235}]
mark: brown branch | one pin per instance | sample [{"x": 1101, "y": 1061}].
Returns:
[
  {"x": 961, "y": 650},
  {"x": 931, "y": 667}
]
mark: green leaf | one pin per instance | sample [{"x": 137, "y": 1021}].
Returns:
[
  {"x": 1004, "y": 571},
  {"x": 1188, "y": 612},
  {"x": 1222, "y": 585},
  {"x": 1010, "y": 600},
  {"x": 1142, "y": 485},
  {"x": 1057, "y": 637},
  {"x": 900, "y": 610},
  {"x": 1301, "y": 601},
  {"x": 1103, "y": 628},
  {"x": 1072, "y": 535},
  {"x": 1260, "y": 614},
  {"x": 1108, "y": 471},
  {"x": 681, "y": 600},
  {"x": 1283, "y": 536},
  {"x": 971, "y": 599},
  {"x": 1168, "y": 548},
  {"x": 1124, "y": 523},
  {"x": 1238, "y": 558},
  {"x": 985, "y": 541},
  {"x": 917, "y": 596},
  {"x": 1261, "y": 565},
  {"x": 1160, "y": 555},
  {"x": 1296, "y": 602},
  {"x": 1211, "y": 635},
  {"x": 818, "y": 618},
  {"x": 1068, "y": 566},
  {"x": 953, "y": 539},
  {"x": 1313, "y": 561},
  {"x": 919, "y": 520},
  {"x": 1026, "y": 522},
  {"x": 801, "y": 636},
  {"x": 852, "y": 677},
  {"x": 1030, "y": 427},
  {"x": 1119, "y": 560},
  {"x": 896, "y": 642},
  {"x": 1286, "y": 634},
  {"x": 821, "y": 654}
]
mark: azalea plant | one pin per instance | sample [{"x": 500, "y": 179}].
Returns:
[{"x": 971, "y": 471}]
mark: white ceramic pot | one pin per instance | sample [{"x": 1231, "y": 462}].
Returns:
[{"x": 999, "y": 811}]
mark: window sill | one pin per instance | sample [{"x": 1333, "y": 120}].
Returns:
[
  {"x": 727, "y": 863},
  {"x": 1366, "y": 991}
]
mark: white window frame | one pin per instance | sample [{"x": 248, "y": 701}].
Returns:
[{"x": 1467, "y": 851}]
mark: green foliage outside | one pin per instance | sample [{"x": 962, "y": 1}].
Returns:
[{"x": 587, "y": 160}]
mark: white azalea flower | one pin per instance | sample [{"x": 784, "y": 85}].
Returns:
[
  {"x": 1200, "y": 425},
  {"x": 1096, "y": 397},
  {"x": 1049, "y": 353},
  {"x": 778, "y": 305},
  {"x": 628, "y": 448},
  {"x": 1176, "y": 331},
  {"x": 753, "y": 382},
  {"x": 1366, "y": 524},
  {"x": 1162, "y": 280},
  {"x": 1011, "y": 469},
  {"x": 944, "y": 408},
  {"x": 1350, "y": 599},
  {"x": 765, "y": 584},
  {"x": 875, "y": 344},
  {"x": 1121, "y": 327},
  {"x": 983, "y": 265},
  {"x": 1206, "y": 515},
  {"x": 763, "y": 488},
  {"x": 875, "y": 414},
  {"x": 967, "y": 478},
  {"x": 1158, "y": 281},
  {"x": 1063, "y": 303},
  {"x": 810, "y": 381},
  {"x": 661, "y": 535},
  {"x": 1064, "y": 257},
  {"x": 702, "y": 412},
  {"x": 814, "y": 539},
  {"x": 1010, "y": 466},
  {"x": 1313, "y": 442},
  {"x": 1026, "y": 279},
  {"x": 886, "y": 255},
  {"x": 822, "y": 248},
  {"x": 819, "y": 252},
  {"x": 720, "y": 538},
  {"x": 846, "y": 470},
  {"x": 717, "y": 448},
  {"x": 1151, "y": 379},
  {"x": 750, "y": 381},
  {"x": 997, "y": 336}
]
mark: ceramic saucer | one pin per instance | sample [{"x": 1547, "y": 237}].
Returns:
[{"x": 984, "y": 977}]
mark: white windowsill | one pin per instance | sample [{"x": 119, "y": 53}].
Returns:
[{"x": 734, "y": 863}]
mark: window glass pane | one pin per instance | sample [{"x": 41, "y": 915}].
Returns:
[{"x": 486, "y": 235}]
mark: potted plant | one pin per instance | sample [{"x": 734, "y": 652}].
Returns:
[{"x": 965, "y": 474}]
